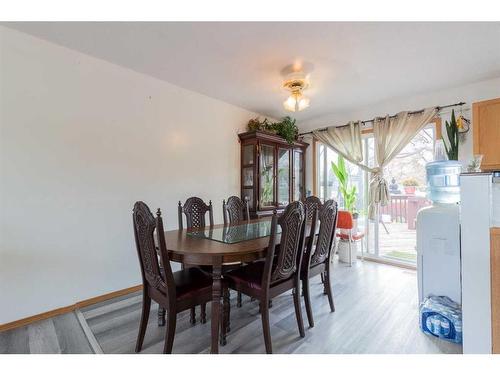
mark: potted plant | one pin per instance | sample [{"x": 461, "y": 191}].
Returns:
[
  {"x": 285, "y": 128},
  {"x": 410, "y": 185},
  {"x": 348, "y": 193},
  {"x": 452, "y": 134}
]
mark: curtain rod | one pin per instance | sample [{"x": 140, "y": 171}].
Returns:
[{"x": 411, "y": 113}]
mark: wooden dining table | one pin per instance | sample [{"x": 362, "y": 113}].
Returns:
[{"x": 195, "y": 247}]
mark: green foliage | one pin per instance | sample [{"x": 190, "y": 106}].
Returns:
[
  {"x": 286, "y": 128},
  {"x": 256, "y": 124},
  {"x": 410, "y": 182},
  {"x": 452, "y": 134},
  {"x": 348, "y": 192}
]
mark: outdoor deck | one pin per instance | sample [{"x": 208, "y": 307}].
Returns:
[{"x": 400, "y": 243}]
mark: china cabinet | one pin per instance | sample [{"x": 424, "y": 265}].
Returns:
[{"x": 272, "y": 172}]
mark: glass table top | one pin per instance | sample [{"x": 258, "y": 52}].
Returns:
[{"x": 235, "y": 233}]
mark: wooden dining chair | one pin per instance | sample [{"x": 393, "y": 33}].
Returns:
[
  {"x": 312, "y": 204},
  {"x": 195, "y": 210},
  {"x": 235, "y": 210},
  {"x": 279, "y": 272},
  {"x": 317, "y": 257},
  {"x": 173, "y": 291}
]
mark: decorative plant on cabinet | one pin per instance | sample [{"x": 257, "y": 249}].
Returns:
[{"x": 285, "y": 128}]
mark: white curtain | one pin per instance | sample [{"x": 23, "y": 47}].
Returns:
[
  {"x": 346, "y": 140},
  {"x": 391, "y": 135}
]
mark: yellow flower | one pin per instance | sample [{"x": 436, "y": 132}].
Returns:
[{"x": 460, "y": 123}]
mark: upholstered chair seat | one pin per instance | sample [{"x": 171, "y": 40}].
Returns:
[{"x": 190, "y": 282}]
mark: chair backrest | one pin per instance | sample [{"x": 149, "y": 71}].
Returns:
[
  {"x": 327, "y": 216},
  {"x": 284, "y": 261},
  {"x": 312, "y": 204},
  {"x": 345, "y": 220},
  {"x": 195, "y": 210},
  {"x": 145, "y": 225},
  {"x": 235, "y": 211}
]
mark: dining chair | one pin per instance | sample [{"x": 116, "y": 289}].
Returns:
[
  {"x": 195, "y": 210},
  {"x": 173, "y": 291},
  {"x": 235, "y": 211},
  {"x": 279, "y": 272},
  {"x": 317, "y": 257},
  {"x": 312, "y": 204}
]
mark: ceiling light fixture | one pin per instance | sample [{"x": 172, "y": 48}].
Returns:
[{"x": 296, "y": 83}]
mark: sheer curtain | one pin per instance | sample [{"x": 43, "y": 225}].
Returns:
[
  {"x": 345, "y": 140},
  {"x": 391, "y": 134}
]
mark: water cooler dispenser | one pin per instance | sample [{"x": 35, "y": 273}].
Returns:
[
  {"x": 438, "y": 254},
  {"x": 438, "y": 234}
]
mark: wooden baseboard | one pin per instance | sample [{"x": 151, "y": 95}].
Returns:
[
  {"x": 107, "y": 296},
  {"x": 67, "y": 309},
  {"x": 36, "y": 318}
]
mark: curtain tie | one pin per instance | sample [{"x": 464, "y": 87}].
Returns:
[{"x": 379, "y": 192}]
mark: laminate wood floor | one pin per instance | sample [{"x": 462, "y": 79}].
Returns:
[
  {"x": 376, "y": 312},
  {"x": 61, "y": 334}
]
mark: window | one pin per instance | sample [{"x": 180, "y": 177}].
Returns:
[{"x": 328, "y": 186}]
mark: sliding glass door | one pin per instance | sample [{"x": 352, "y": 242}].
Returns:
[{"x": 392, "y": 234}]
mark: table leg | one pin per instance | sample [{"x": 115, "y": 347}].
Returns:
[{"x": 216, "y": 307}]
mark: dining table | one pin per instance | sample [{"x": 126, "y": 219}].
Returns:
[{"x": 217, "y": 246}]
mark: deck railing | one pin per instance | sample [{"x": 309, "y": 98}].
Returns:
[
  {"x": 397, "y": 208},
  {"x": 403, "y": 208}
]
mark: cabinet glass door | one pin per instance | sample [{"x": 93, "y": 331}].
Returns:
[
  {"x": 266, "y": 190},
  {"x": 248, "y": 174},
  {"x": 298, "y": 176},
  {"x": 248, "y": 155},
  {"x": 283, "y": 176}
]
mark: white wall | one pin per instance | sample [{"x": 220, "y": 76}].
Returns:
[
  {"x": 471, "y": 93},
  {"x": 80, "y": 141}
]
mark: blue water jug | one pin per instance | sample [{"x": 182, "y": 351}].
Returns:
[{"x": 443, "y": 181}]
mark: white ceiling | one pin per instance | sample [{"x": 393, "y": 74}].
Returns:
[{"x": 355, "y": 64}]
